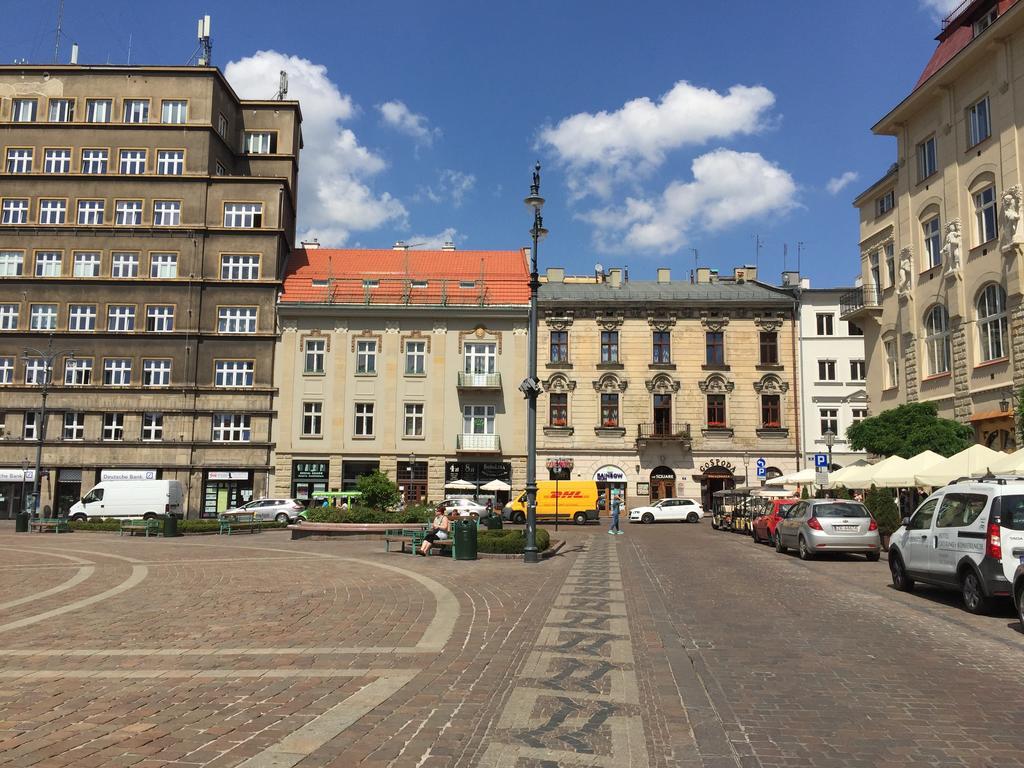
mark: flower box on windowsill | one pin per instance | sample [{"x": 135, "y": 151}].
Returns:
[
  {"x": 717, "y": 431},
  {"x": 610, "y": 431},
  {"x": 557, "y": 423}
]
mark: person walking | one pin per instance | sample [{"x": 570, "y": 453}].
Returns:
[{"x": 616, "y": 509}]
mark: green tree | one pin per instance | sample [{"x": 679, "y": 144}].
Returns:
[
  {"x": 804, "y": 494},
  {"x": 908, "y": 430},
  {"x": 378, "y": 491},
  {"x": 882, "y": 506}
]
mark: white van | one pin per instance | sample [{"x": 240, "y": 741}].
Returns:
[{"x": 129, "y": 498}]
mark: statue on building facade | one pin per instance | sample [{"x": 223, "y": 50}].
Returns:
[
  {"x": 1011, "y": 231},
  {"x": 951, "y": 248},
  {"x": 906, "y": 272}
]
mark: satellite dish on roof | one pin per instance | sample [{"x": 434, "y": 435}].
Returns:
[{"x": 599, "y": 268}]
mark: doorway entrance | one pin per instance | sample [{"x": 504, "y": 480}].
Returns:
[
  {"x": 663, "y": 483},
  {"x": 715, "y": 479}
]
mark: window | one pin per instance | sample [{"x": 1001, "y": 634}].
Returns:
[
  {"x": 62, "y": 110},
  {"x": 854, "y": 329},
  {"x": 124, "y": 265},
  {"x": 826, "y": 323},
  {"x": 716, "y": 411},
  {"x": 156, "y": 373},
  {"x": 43, "y": 317},
  {"x": 559, "y": 347},
  {"x": 6, "y": 370},
  {"x": 23, "y": 110},
  {"x": 885, "y": 203},
  {"x": 37, "y": 372},
  {"x": 480, "y": 358},
  {"x": 858, "y": 415},
  {"x": 364, "y": 420},
  {"x": 232, "y": 428},
  {"x": 19, "y": 161},
  {"x": 136, "y": 110},
  {"x": 826, "y": 370},
  {"x": 312, "y": 419},
  {"x": 9, "y": 317},
  {"x": 315, "y": 351},
  {"x": 121, "y": 318},
  {"x": 30, "y": 430},
  {"x": 160, "y": 319},
  {"x": 415, "y": 358},
  {"x": 90, "y": 212},
  {"x": 170, "y": 162},
  {"x": 74, "y": 427},
  {"x": 892, "y": 365},
  {"x": 979, "y": 127},
  {"x": 236, "y": 320},
  {"x": 771, "y": 411},
  {"x": 57, "y": 161},
  {"x": 890, "y": 263},
  {"x": 937, "y": 342},
  {"x": 222, "y": 127},
  {"x": 113, "y": 427},
  {"x": 234, "y": 374},
  {"x": 163, "y": 265},
  {"x": 221, "y": 170},
  {"x": 53, "y": 211},
  {"x": 985, "y": 21},
  {"x": 558, "y": 409},
  {"x": 11, "y": 263},
  {"x": 714, "y": 348},
  {"x": 876, "y": 274},
  {"x": 127, "y": 213},
  {"x": 992, "y": 327},
  {"x": 260, "y": 142},
  {"x": 927, "y": 163},
  {"x": 858, "y": 370},
  {"x": 117, "y": 372},
  {"x": 366, "y": 357},
  {"x": 661, "y": 347},
  {"x": 414, "y": 419},
  {"x": 245, "y": 215},
  {"x": 82, "y": 317},
  {"x": 15, "y": 212},
  {"x": 78, "y": 372},
  {"x": 239, "y": 267},
  {"x": 98, "y": 110},
  {"x": 769, "y": 347},
  {"x": 48, "y": 263},
  {"x": 94, "y": 161},
  {"x": 960, "y": 509},
  {"x": 87, "y": 265},
  {"x": 133, "y": 162},
  {"x": 609, "y": 346},
  {"x": 985, "y": 214},
  {"x": 175, "y": 112},
  {"x": 166, "y": 213},
  {"x": 932, "y": 242},
  {"x": 152, "y": 427},
  {"x": 478, "y": 419},
  {"x": 829, "y": 420},
  {"x": 609, "y": 409}
]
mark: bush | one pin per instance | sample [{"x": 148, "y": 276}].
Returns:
[
  {"x": 184, "y": 526},
  {"x": 841, "y": 492},
  {"x": 509, "y": 541},
  {"x": 882, "y": 506},
  {"x": 379, "y": 492},
  {"x": 416, "y": 514},
  {"x": 804, "y": 493}
]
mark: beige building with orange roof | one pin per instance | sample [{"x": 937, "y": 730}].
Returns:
[{"x": 401, "y": 360}]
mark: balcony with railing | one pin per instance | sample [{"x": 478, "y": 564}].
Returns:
[
  {"x": 479, "y": 380},
  {"x": 471, "y": 443},
  {"x": 663, "y": 432},
  {"x": 859, "y": 301}
]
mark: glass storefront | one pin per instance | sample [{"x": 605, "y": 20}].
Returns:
[
  {"x": 15, "y": 485},
  {"x": 412, "y": 479},
  {"x": 308, "y": 476},
  {"x": 351, "y": 471},
  {"x": 225, "y": 489}
]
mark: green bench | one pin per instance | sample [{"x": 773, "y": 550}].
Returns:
[
  {"x": 414, "y": 537},
  {"x": 131, "y": 526},
  {"x": 55, "y": 524},
  {"x": 239, "y": 521}
]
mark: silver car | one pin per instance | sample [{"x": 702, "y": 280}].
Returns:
[
  {"x": 281, "y": 510},
  {"x": 829, "y": 525}
]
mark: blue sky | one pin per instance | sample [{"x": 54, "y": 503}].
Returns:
[{"x": 662, "y": 126}]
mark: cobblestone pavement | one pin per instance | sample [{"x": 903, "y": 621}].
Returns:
[{"x": 669, "y": 646}]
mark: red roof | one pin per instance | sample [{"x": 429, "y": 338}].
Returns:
[
  {"x": 339, "y": 276},
  {"x": 956, "y": 36}
]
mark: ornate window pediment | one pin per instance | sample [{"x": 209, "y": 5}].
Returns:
[
  {"x": 609, "y": 322},
  {"x": 770, "y": 384},
  {"x": 560, "y": 323},
  {"x": 610, "y": 383},
  {"x": 559, "y": 383},
  {"x": 662, "y": 384},
  {"x": 713, "y": 323},
  {"x": 480, "y": 333},
  {"x": 769, "y": 322},
  {"x": 661, "y": 323},
  {"x": 716, "y": 383}
]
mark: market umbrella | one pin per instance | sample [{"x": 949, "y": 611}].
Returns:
[
  {"x": 803, "y": 477},
  {"x": 904, "y": 475},
  {"x": 460, "y": 485},
  {"x": 848, "y": 474},
  {"x": 971, "y": 462},
  {"x": 866, "y": 477},
  {"x": 1009, "y": 464},
  {"x": 496, "y": 485}
]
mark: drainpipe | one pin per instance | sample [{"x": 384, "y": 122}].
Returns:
[{"x": 796, "y": 374}]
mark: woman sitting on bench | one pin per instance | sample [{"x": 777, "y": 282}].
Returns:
[{"x": 438, "y": 530}]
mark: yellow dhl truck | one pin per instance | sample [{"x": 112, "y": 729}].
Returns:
[{"x": 574, "y": 500}]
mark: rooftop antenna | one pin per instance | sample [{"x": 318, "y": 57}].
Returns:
[
  {"x": 696, "y": 258},
  {"x": 785, "y": 253},
  {"x": 758, "y": 245},
  {"x": 57, "y": 34},
  {"x": 282, "y": 87},
  {"x": 129, "y": 49},
  {"x": 203, "y": 33},
  {"x": 799, "y": 254}
]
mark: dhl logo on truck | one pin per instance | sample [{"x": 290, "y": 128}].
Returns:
[{"x": 565, "y": 495}]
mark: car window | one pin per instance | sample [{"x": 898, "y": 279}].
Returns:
[
  {"x": 1013, "y": 512},
  {"x": 841, "y": 509},
  {"x": 922, "y": 519},
  {"x": 96, "y": 494},
  {"x": 960, "y": 509}
]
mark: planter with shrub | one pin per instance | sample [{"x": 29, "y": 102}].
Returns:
[
  {"x": 509, "y": 541},
  {"x": 882, "y": 506},
  {"x": 184, "y": 526}
]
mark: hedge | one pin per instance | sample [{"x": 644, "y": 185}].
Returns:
[
  {"x": 509, "y": 541},
  {"x": 418, "y": 514},
  {"x": 184, "y": 526}
]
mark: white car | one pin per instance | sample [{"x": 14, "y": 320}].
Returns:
[
  {"x": 462, "y": 506},
  {"x": 684, "y": 510}
]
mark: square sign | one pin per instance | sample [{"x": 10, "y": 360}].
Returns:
[
  {"x": 821, "y": 477},
  {"x": 821, "y": 460},
  {"x": 762, "y": 471}
]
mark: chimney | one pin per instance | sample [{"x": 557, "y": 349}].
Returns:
[
  {"x": 615, "y": 278},
  {"x": 311, "y": 244},
  {"x": 751, "y": 271},
  {"x": 400, "y": 246},
  {"x": 556, "y": 275},
  {"x": 448, "y": 246},
  {"x": 703, "y": 275},
  {"x": 664, "y": 275},
  {"x": 713, "y": 276},
  {"x": 790, "y": 279}
]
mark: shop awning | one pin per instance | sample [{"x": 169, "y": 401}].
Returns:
[{"x": 972, "y": 462}]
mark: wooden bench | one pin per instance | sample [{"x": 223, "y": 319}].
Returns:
[
  {"x": 239, "y": 521},
  {"x": 55, "y": 524},
  {"x": 415, "y": 537},
  {"x": 133, "y": 526}
]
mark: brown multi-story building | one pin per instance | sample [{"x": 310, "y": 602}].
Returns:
[{"x": 146, "y": 215}]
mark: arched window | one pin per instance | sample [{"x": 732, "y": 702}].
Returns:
[
  {"x": 936, "y": 340},
  {"x": 992, "y": 330}
]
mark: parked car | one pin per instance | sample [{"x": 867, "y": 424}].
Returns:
[
  {"x": 967, "y": 536},
  {"x": 576, "y": 500},
  {"x": 829, "y": 525},
  {"x": 766, "y": 523},
  {"x": 147, "y": 499},
  {"x": 666, "y": 510},
  {"x": 1018, "y": 593},
  {"x": 461, "y": 506},
  {"x": 280, "y": 510}
]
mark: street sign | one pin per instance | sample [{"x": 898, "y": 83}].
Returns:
[
  {"x": 762, "y": 463},
  {"x": 821, "y": 460},
  {"x": 821, "y": 477},
  {"x": 762, "y": 471}
]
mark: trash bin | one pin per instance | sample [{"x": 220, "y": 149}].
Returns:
[
  {"x": 21, "y": 522},
  {"x": 465, "y": 539},
  {"x": 170, "y": 525},
  {"x": 492, "y": 522}
]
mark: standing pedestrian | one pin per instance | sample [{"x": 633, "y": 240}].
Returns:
[{"x": 616, "y": 509}]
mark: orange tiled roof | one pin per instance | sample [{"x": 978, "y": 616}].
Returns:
[
  {"x": 337, "y": 275},
  {"x": 957, "y": 36}
]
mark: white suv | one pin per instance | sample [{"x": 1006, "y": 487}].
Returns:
[{"x": 968, "y": 536}]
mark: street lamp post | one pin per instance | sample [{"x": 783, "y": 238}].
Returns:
[
  {"x": 412, "y": 463},
  {"x": 48, "y": 357},
  {"x": 830, "y": 439},
  {"x": 24, "y": 479},
  {"x": 746, "y": 462},
  {"x": 531, "y": 386}
]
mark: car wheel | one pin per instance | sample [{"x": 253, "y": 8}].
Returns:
[
  {"x": 805, "y": 552},
  {"x": 647, "y": 518},
  {"x": 973, "y": 593},
  {"x": 714, "y": 525},
  {"x": 79, "y": 518},
  {"x": 874, "y": 557},
  {"x": 281, "y": 517},
  {"x": 1020, "y": 606},
  {"x": 900, "y": 579},
  {"x": 580, "y": 518},
  {"x": 693, "y": 517},
  {"x": 779, "y": 546},
  {"x": 519, "y": 518},
  {"x": 149, "y": 516},
  {"x": 753, "y": 534}
]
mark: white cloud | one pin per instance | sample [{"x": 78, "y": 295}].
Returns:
[
  {"x": 335, "y": 197},
  {"x": 434, "y": 242},
  {"x": 941, "y": 8},
  {"x": 839, "y": 183},
  {"x": 404, "y": 120},
  {"x": 728, "y": 187},
  {"x": 451, "y": 185},
  {"x": 603, "y": 148}
]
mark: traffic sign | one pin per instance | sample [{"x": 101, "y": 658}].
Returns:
[
  {"x": 762, "y": 471},
  {"x": 762, "y": 463},
  {"x": 821, "y": 460},
  {"x": 821, "y": 477}
]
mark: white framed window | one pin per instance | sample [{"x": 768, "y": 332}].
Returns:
[
  {"x": 113, "y": 427},
  {"x": 15, "y": 211},
  {"x": 136, "y": 110},
  {"x": 30, "y": 426},
  {"x": 932, "y": 242},
  {"x": 260, "y": 142},
  {"x": 74, "y": 427},
  {"x": 890, "y": 263},
  {"x": 414, "y": 419},
  {"x": 829, "y": 420},
  {"x": 239, "y": 267},
  {"x": 57, "y": 161},
  {"x": 892, "y": 365},
  {"x": 61, "y": 110},
  {"x": 234, "y": 374},
  {"x": 127, "y": 213},
  {"x": 826, "y": 370},
  {"x": 876, "y": 272},
  {"x": 174, "y": 111},
  {"x": 364, "y": 420},
  {"x": 6, "y": 370},
  {"x": 992, "y": 323},
  {"x": 121, "y": 318},
  {"x": 160, "y": 319},
  {"x": 152, "y": 427},
  {"x": 825, "y": 323},
  {"x": 19, "y": 160},
  {"x": 37, "y": 372},
  {"x": 236, "y": 320},
  {"x": 94, "y": 161},
  {"x": 885, "y": 203},
  {"x": 858, "y": 371},
  {"x": 936, "y": 341},
  {"x": 163, "y": 265},
  {"x": 48, "y": 263},
  {"x": 221, "y": 170},
  {"x": 166, "y": 213},
  {"x": 312, "y": 419},
  {"x": 415, "y": 358},
  {"x": 985, "y": 214},
  {"x": 243, "y": 215},
  {"x": 90, "y": 212},
  {"x": 43, "y": 317},
  {"x": 314, "y": 353},
  {"x": 24, "y": 110},
  {"x": 124, "y": 265},
  {"x": 78, "y": 372},
  {"x": 87, "y": 265},
  {"x": 979, "y": 126},
  {"x": 53, "y": 211},
  {"x": 133, "y": 162},
  {"x": 927, "y": 159},
  {"x": 366, "y": 356},
  {"x": 480, "y": 357},
  {"x": 478, "y": 420},
  {"x": 232, "y": 428},
  {"x": 170, "y": 162},
  {"x": 82, "y": 317},
  {"x": 222, "y": 127},
  {"x": 11, "y": 263},
  {"x": 98, "y": 110},
  {"x": 156, "y": 373},
  {"x": 985, "y": 21},
  {"x": 9, "y": 317},
  {"x": 117, "y": 372}
]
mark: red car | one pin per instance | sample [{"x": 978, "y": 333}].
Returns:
[{"x": 765, "y": 525}]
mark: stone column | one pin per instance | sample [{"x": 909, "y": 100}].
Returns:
[
  {"x": 962, "y": 405},
  {"x": 910, "y": 366}
]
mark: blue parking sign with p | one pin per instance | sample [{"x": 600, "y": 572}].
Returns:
[
  {"x": 762, "y": 467},
  {"x": 821, "y": 460}
]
